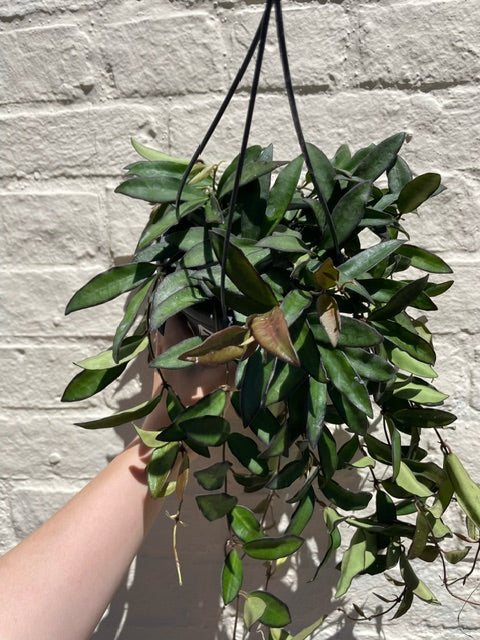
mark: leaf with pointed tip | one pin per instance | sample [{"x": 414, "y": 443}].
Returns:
[
  {"x": 153, "y": 154},
  {"x": 398, "y": 175},
  {"x": 354, "y": 333},
  {"x": 415, "y": 192},
  {"x": 317, "y": 403},
  {"x": 129, "y": 350},
  {"x": 369, "y": 365},
  {"x": 220, "y": 347},
  {"x": 307, "y": 632},
  {"x": 347, "y": 214},
  {"x": 329, "y": 316},
  {"x": 89, "y": 382},
  {"x": 270, "y": 330},
  {"x": 266, "y": 609},
  {"x": 294, "y": 304},
  {"x": 400, "y": 300},
  {"x": 131, "y": 311},
  {"x": 272, "y": 548},
  {"x": 251, "y": 171},
  {"x": 242, "y": 273},
  {"x": 169, "y": 359},
  {"x": 407, "y": 341},
  {"x": 345, "y": 379},
  {"x": 358, "y": 557},
  {"x": 323, "y": 170},
  {"x": 244, "y": 524},
  {"x": 213, "y": 477},
  {"x": 159, "y": 468},
  {"x": 381, "y": 158},
  {"x": 110, "y": 284},
  {"x": 216, "y": 506},
  {"x": 344, "y": 498},
  {"x": 281, "y": 194},
  {"x": 423, "y": 259},
  {"x": 326, "y": 276},
  {"x": 122, "y": 417},
  {"x": 246, "y": 451},
  {"x": 208, "y": 431},
  {"x": 302, "y": 514},
  {"x": 367, "y": 259},
  {"x": 423, "y": 418},
  {"x": 232, "y": 576},
  {"x": 159, "y": 190},
  {"x": 408, "y": 363},
  {"x": 407, "y": 480}
]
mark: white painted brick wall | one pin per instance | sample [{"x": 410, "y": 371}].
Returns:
[{"x": 77, "y": 79}]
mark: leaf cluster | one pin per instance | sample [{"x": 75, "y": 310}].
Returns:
[{"x": 321, "y": 308}]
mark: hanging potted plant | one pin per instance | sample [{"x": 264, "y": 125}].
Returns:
[{"x": 293, "y": 275}]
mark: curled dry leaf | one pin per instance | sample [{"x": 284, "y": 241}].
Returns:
[
  {"x": 329, "y": 315},
  {"x": 270, "y": 330},
  {"x": 326, "y": 276},
  {"x": 222, "y": 346}
]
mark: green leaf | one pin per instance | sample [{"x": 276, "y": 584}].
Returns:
[
  {"x": 407, "y": 480},
  {"x": 169, "y": 358},
  {"x": 332, "y": 520},
  {"x": 345, "y": 379},
  {"x": 347, "y": 214},
  {"x": 294, "y": 304},
  {"x": 466, "y": 490},
  {"x": 159, "y": 468},
  {"x": 153, "y": 154},
  {"x": 232, "y": 577},
  {"x": 283, "y": 382},
  {"x": 406, "y": 362},
  {"x": 213, "y": 477},
  {"x": 166, "y": 306},
  {"x": 456, "y": 555},
  {"x": 283, "y": 242},
  {"x": 270, "y": 330},
  {"x": 415, "y": 390},
  {"x": 323, "y": 170},
  {"x": 122, "y": 417},
  {"x": 291, "y": 472},
  {"x": 327, "y": 452},
  {"x": 423, "y": 259},
  {"x": 414, "y": 193},
  {"x": 247, "y": 453},
  {"x": 252, "y": 388},
  {"x": 281, "y": 193},
  {"x": 244, "y": 524},
  {"x": 358, "y": 557},
  {"x": 215, "y": 506},
  {"x": 307, "y": 350},
  {"x": 405, "y": 604},
  {"x": 110, "y": 284},
  {"x": 316, "y": 406},
  {"x": 156, "y": 169},
  {"x": 251, "y": 171},
  {"x": 272, "y": 548},
  {"x": 131, "y": 311},
  {"x": 302, "y": 514},
  {"x": 349, "y": 414},
  {"x": 209, "y": 431},
  {"x": 368, "y": 365},
  {"x": 407, "y": 341},
  {"x": 365, "y": 260},
  {"x": 400, "y": 300},
  {"x": 242, "y": 273},
  {"x": 423, "y": 418},
  {"x": 381, "y": 158},
  {"x": 89, "y": 382},
  {"x": 344, "y": 498},
  {"x": 169, "y": 218},
  {"x": 398, "y": 175},
  {"x": 354, "y": 333},
  {"x": 129, "y": 350},
  {"x": 159, "y": 190},
  {"x": 266, "y": 609},
  {"x": 414, "y": 584}
]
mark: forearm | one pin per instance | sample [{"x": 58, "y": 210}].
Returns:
[{"x": 59, "y": 580}]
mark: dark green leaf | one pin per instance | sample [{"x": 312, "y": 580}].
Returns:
[
  {"x": 347, "y": 214},
  {"x": 209, "y": 431},
  {"x": 291, "y": 472},
  {"x": 398, "y": 175},
  {"x": 284, "y": 381},
  {"x": 281, "y": 193},
  {"x": 266, "y": 609},
  {"x": 213, "y": 477},
  {"x": 272, "y": 548},
  {"x": 365, "y": 260},
  {"x": 169, "y": 358},
  {"x": 356, "y": 420},
  {"x": 232, "y": 577},
  {"x": 323, "y": 170},
  {"x": 417, "y": 191},
  {"x": 247, "y": 453},
  {"x": 316, "y": 405},
  {"x": 294, "y": 304},
  {"x": 327, "y": 452},
  {"x": 381, "y": 158},
  {"x": 164, "y": 189},
  {"x": 252, "y": 388},
  {"x": 407, "y": 341},
  {"x": 368, "y": 365},
  {"x": 110, "y": 284},
  {"x": 89, "y": 382},
  {"x": 423, "y": 259},
  {"x": 400, "y": 300},
  {"x": 344, "y": 498},
  {"x": 215, "y": 506},
  {"x": 423, "y": 418},
  {"x": 157, "y": 169},
  {"x": 345, "y": 379},
  {"x": 354, "y": 333},
  {"x": 129, "y": 317},
  {"x": 251, "y": 171},
  {"x": 302, "y": 514}
]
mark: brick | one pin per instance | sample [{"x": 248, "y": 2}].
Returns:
[
  {"x": 399, "y": 44},
  {"x": 126, "y": 217},
  {"x": 323, "y": 32},
  {"x": 60, "y": 227},
  {"x": 45, "y": 63},
  {"x": 62, "y": 450},
  {"x": 152, "y": 57},
  {"x": 63, "y": 142},
  {"x": 19, "y": 8}
]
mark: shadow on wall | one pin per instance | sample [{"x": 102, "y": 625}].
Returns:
[{"x": 150, "y": 604}]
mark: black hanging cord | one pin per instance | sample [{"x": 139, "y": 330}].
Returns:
[
  {"x": 296, "y": 121},
  {"x": 241, "y": 156},
  {"x": 226, "y": 101}
]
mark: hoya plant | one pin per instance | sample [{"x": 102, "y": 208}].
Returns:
[{"x": 299, "y": 277}]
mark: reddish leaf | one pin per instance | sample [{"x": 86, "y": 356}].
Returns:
[
  {"x": 270, "y": 330},
  {"x": 327, "y": 309},
  {"x": 220, "y": 347}
]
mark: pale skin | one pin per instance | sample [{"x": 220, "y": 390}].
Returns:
[{"x": 59, "y": 580}]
